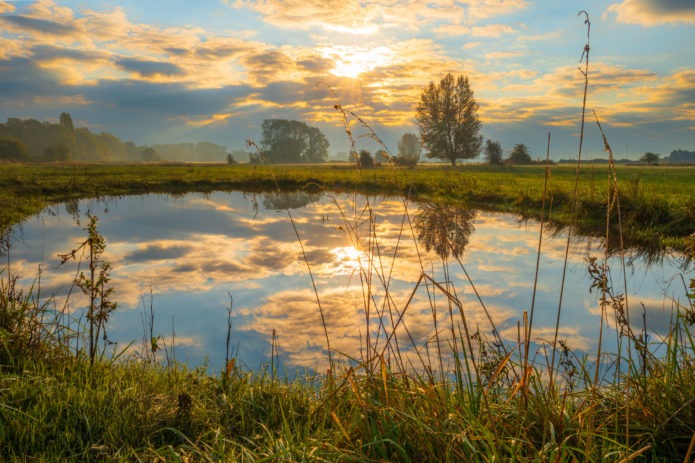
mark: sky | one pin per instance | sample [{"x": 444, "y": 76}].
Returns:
[{"x": 170, "y": 71}]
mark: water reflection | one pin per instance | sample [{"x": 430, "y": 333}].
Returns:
[
  {"x": 195, "y": 250},
  {"x": 290, "y": 200},
  {"x": 444, "y": 228}
]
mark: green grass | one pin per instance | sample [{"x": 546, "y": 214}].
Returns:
[
  {"x": 131, "y": 411},
  {"x": 656, "y": 206},
  {"x": 491, "y": 405}
]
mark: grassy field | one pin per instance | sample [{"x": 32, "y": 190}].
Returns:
[
  {"x": 656, "y": 204},
  {"x": 494, "y": 404}
]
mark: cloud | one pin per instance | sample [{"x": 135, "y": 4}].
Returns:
[
  {"x": 371, "y": 17},
  {"x": 148, "y": 68},
  {"x": 158, "y": 251},
  {"x": 47, "y": 53},
  {"x": 487, "y": 31},
  {"x": 22, "y": 79},
  {"x": 654, "y": 12},
  {"x": 269, "y": 66},
  {"x": 6, "y": 7},
  {"x": 350, "y": 15},
  {"x": 44, "y": 26}
]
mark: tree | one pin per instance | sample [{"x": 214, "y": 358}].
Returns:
[
  {"x": 520, "y": 155},
  {"x": 11, "y": 148},
  {"x": 317, "y": 146},
  {"x": 365, "y": 159},
  {"x": 206, "y": 151},
  {"x": 381, "y": 155},
  {"x": 287, "y": 141},
  {"x": 681, "y": 155},
  {"x": 58, "y": 152},
  {"x": 649, "y": 157},
  {"x": 493, "y": 152},
  {"x": 66, "y": 121},
  {"x": 90, "y": 146},
  {"x": 447, "y": 116},
  {"x": 409, "y": 149},
  {"x": 150, "y": 155}
]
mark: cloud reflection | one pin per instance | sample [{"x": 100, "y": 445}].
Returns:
[{"x": 193, "y": 251}]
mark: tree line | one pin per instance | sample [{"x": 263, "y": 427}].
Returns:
[{"x": 32, "y": 140}]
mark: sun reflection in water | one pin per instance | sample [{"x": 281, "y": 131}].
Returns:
[{"x": 349, "y": 259}]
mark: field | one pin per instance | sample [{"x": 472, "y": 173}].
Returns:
[
  {"x": 656, "y": 204},
  {"x": 496, "y": 404}
]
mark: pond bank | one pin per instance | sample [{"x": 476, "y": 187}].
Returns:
[{"x": 655, "y": 202}]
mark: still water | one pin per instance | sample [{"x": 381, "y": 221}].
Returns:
[{"x": 185, "y": 266}]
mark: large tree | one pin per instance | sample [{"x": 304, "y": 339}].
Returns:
[
  {"x": 447, "y": 116},
  {"x": 286, "y": 141}
]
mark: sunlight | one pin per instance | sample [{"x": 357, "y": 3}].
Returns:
[
  {"x": 353, "y": 61},
  {"x": 348, "y": 257}
]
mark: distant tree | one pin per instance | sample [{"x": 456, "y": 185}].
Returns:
[
  {"x": 520, "y": 155},
  {"x": 206, "y": 151},
  {"x": 255, "y": 158},
  {"x": 91, "y": 146},
  {"x": 150, "y": 155},
  {"x": 681, "y": 155},
  {"x": 447, "y": 116},
  {"x": 409, "y": 149},
  {"x": 36, "y": 135},
  {"x": 365, "y": 159},
  {"x": 112, "y": 146},
  {"x": 381, "y": 155},
  {"x": 230, "y": 159},
  {"x": 493, "y": 152},
  {"x": 317, "y": 146},
  {"x": 58, "y": 152},
  {"x": 650, "y": 158},
  {"x": 66, "y": 121},
  {"x": 286, "y": 141},
  {"x": 131, "y": 151},
  {"x": 238, "y": 155},
  {"x": 13, "y": 149}
]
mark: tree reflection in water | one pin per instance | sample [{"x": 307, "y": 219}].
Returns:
[
  {"x": 279, "y": 201},
  {"x": 444, "y": 228}
]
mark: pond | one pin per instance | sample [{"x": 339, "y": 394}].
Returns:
[{"x": 275, "y": 277}]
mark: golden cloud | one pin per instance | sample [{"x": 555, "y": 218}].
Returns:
[
  {"x": 654, "y": 12},
  {"x": 360, "y": 18},
  {"x": 6, "y": 7}
]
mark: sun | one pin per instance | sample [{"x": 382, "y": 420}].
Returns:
[{"x": 352, "y": 61}]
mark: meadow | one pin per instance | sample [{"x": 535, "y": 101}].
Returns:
[
  {"x": 500, "y": 401},
  {"x": 655, "y": 202}
]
